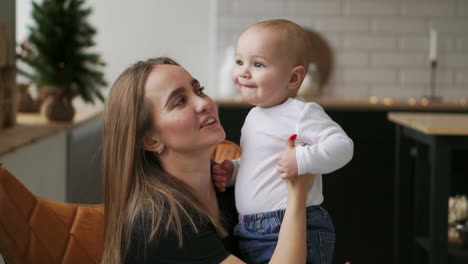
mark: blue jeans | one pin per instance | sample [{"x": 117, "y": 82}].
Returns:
[{"x": 258, "y": 236}]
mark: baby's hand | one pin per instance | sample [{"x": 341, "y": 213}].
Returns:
[
  {"x": 287, "y": 163},
  {"x": 222, "y": 174}
]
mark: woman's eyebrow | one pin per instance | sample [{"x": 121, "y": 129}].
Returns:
[
  {"x": 180, "y": 90},
  {"x": 174, "y": 93}
]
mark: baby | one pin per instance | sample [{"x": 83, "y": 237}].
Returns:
[{"x": 272, "y": 60}]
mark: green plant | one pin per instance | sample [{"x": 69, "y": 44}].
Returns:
[{"x": 57, "y": 50}]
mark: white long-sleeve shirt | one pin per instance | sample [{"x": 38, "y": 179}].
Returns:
[{"x": 321, "y": 147}]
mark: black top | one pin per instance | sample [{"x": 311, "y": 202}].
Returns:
[{"x": 204, "y": 247}]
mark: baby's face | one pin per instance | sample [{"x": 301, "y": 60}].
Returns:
[{"x": 262, "y": 71}]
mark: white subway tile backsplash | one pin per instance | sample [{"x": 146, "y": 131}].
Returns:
[
  {"x": 396, "y": 92},
  {"x": 380, "y": 47},
  {"x": 450, "y": 25},
  {"x": 258, "y": 7},
  {"x": 413, "y": 42},
  {"x": 455, "y": 60},
  {"x": 234, "y": 23},
  {"x": 343, "y": 24},
  {"x": 397, "y": 58},
  {"x": 444, "y": 8},
  {"x": 371, "y": 8},
  {"x": 455, "y": 94},
  {"x": 461, "y": 78},
  {"x": 311, "y": 8},
  {"x": 350, "y": 58},
  {"x": 366, "y": 41},
  {"x": 398, "y": 25},
  {"x": 462, "y": 8},
  {"x": 462, "y": 43},
  {"x": 421, "y": 42},
  {"x": 347, "y": 90},
  {"x": 421, "y": 76},
  {"x": 335, "y": 41},
  {"x": 382, "y": 76}
]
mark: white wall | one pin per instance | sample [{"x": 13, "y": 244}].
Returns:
[
  {"x": 129, "y": 31},
  {"x": 134, "y": 30},
  {"x": 380, "y": 46}
]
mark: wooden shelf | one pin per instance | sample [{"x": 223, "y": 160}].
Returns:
[
  {"x": 372, "y": 103},
  {"x": 31, "y": 128}
]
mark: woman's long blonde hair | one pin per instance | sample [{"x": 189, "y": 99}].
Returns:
[{"x": 134, "y": 181}]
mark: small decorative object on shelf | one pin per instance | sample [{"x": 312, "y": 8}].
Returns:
[
  {"x": 24, "y": 101},
  {"x": 433, "y": 66},
  {"x": 7, "y": 96},
  {"x": 462, "y": 230},
  {"x": 457, "y": 218},
  {"x": 58, "y": 53},
  {"x": 311, "y": 85},
  {"x": 4, "y": 45},
  {"x": 7, "y": 82}
]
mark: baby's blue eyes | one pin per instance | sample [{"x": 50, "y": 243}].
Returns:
[
  {"x": 255, "y": 64},
  {"x": 258, "y": 65}
]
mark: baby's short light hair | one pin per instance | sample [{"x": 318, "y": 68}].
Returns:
[{"x": 292, "y": 36}]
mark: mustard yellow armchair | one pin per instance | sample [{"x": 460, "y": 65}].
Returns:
[{"x": 37, "y": 230}]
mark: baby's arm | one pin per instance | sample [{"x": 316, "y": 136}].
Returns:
[
  {"x": 224, "y": 174},
  {"x": 326, "y": 147}
]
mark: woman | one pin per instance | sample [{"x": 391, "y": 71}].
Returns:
[{"x": 160, "y": 202}]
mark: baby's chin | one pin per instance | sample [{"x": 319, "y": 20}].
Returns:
[
  {"x": 249, "y": 97},
  {"x": 250, "y": 100}
]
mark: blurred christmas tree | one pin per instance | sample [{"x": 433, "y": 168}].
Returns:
[{"x": 57, "y": 51}]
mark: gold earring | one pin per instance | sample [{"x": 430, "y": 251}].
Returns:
[{"x": 160, "y": 148}]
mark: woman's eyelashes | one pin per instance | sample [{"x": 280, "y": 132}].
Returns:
[
  {"x": 201, "y": 90},
  {"x": 181, "y": 100}
]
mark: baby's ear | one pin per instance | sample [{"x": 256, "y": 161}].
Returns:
[{"x": 297, "y": 75}]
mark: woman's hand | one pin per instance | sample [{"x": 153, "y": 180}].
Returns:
[
  {"x": 287, "y": 162},
  {"x": 287, "y": 165}
]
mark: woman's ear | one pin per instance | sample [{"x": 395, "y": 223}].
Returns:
[
  {"x": 297, "y": 75},
  {"x": 152, "y": 142}
]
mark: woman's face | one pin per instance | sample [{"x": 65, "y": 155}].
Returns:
[{"x": 185, "y": 119}]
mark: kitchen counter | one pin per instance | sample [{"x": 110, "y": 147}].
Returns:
[
  {"x": 372, "y": 103},
  {"x": 436, "y": 141},
  {"x": 433, "y": 123}
]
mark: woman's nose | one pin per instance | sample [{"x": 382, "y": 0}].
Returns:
[{"x": 202, "y": 104}]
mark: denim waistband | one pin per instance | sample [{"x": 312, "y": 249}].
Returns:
[{"x": 272, "y": 214}]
